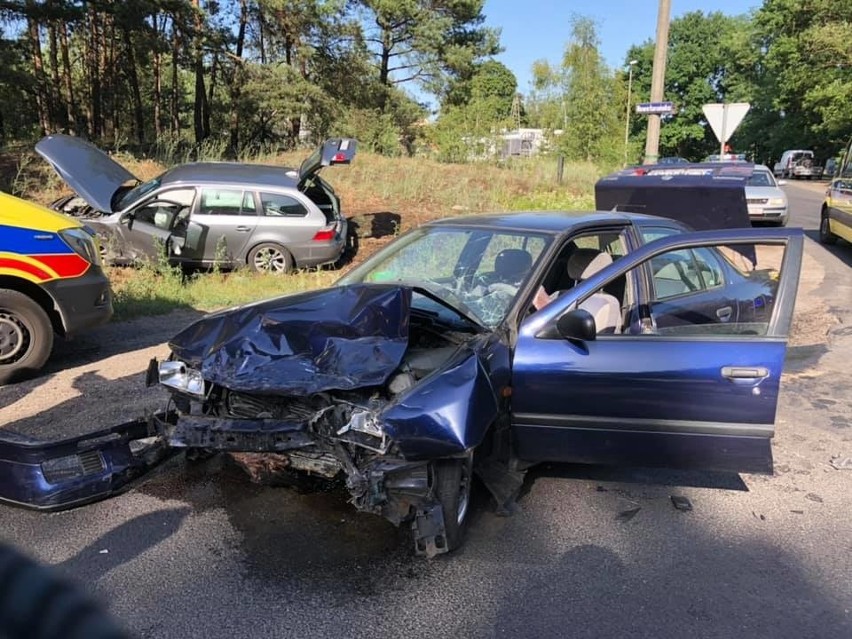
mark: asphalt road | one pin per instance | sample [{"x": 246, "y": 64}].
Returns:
[{"x": 200, "y": 553}]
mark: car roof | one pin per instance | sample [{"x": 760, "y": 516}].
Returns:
[
  {"x": 255, "y": 175},
  {"x": 550, "y": 222}
]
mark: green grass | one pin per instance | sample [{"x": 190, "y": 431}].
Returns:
[{"x": 147, "y": 291}]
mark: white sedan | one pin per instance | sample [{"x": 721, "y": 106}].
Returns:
[{"x": 766, "y": 201}]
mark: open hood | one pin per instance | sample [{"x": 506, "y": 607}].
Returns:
[
  {"x": 339, "y": 338},
  {"x": 333, "y": 151},
  {"x": 92, "y": 174}
]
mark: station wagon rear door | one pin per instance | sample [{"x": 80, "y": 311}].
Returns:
[{"x": 700, "y": 395}]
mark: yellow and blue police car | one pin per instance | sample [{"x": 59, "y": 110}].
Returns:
[{"x": 51, "y": 282}]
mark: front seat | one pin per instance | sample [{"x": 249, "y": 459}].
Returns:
[
  {"x": 511, "y": 266},
  {"x": 605, "y": 308}
]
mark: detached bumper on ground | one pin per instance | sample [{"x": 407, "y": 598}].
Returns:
[{"x": 66, "y": 473}]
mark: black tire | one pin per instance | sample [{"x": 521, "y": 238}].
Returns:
[
  {"x": 452, "y": 479},
  {"x": 825, "y": 234},
  {"x": 26, "y": 336},
  {"x": 269, "y": 257}
]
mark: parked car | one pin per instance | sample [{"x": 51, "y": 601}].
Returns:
[
  {"x": 50, "y": 282},
  {"x": 270, "y": 218},
  {"x": 797, "y": 163},
  {"x": 836, "y": 215},
  {"x": 766, "y": 201},
  {"x": 429, "y": 363},
  {"x": 726, "y": 157}
]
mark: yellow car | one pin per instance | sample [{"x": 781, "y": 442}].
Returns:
[
  {"x": 836, "y": 216},
  {"x": 50, "y": 282}
]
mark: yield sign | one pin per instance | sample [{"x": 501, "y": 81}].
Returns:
[{"x": 725, "y": 118}]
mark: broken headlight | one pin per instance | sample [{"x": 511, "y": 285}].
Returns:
[
  {"x": 178, "y": 376},
  {"x": 365, "y": 423}
]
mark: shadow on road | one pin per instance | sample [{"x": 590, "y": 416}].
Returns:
[
  {"x": 842, "y": 250},
  {"x": 123, "y": 543}
]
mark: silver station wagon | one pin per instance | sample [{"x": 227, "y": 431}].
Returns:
[{"x": 270, "y": 218}]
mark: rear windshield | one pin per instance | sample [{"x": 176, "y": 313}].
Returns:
[{"x": 761, "y": 178}]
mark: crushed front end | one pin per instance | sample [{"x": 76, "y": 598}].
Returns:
[{"x": 346, "y": 385}]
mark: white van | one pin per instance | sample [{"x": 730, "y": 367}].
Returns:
[{"x": 797, "y": 163}]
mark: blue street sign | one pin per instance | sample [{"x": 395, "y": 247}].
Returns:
[{"x": 655, "y": 107}]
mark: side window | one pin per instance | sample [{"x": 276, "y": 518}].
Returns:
[
  {"x": 226, "y": 202},
  {"x": 581, "y": 257},
  {"x": 739, "y": 293},
  {"x": 846, "y": 170},
  {"x": 277, "y": 205},
  {"x": 165, "y": 208}
]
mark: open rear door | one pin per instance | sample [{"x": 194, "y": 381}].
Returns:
[{"x": 333, "y": 151}]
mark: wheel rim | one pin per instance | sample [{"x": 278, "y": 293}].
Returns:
[
  {"x": 270, "y": 259},
  {"x": 464, "y": 492},
  {"x": 14, "y": 338}
]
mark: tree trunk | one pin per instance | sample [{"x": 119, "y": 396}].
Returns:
[
  {"x": 158, "y": 82},
  {"x": 261, "y": 30},
  {"x": 133, "y": 78},
  {"x": 55, "y": 94},
  {"x": 38, "y": 67},
  {"x": 175, "y": 97},
  {"x": 236, "y": 83},
  {"x": 70, "y": 106},
  {"x": 201, "y": 118},
  {"x": 93, "y": 96}
]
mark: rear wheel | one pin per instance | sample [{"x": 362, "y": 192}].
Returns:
[
  {"x": 270, "y": 258},
  {"x": 26, "y": 336},
  {"x": 825, "y": 234},
  {"x": 452, "y": 479}
]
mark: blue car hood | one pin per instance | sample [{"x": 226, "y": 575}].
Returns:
[{"x": 339, "y": 338}]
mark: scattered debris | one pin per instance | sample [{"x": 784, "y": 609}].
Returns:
[
  {"x": 841, "y": 463},
  {"x": 627, "y": 515},
  {"x": 601, "y": 489},
  {"x": 105, "y": 551},
  {"x": 798, "y": 512},
  {"x": 681, "y": 503},
  {"x": 814, "y": 497},
  {"x": 756, "y": 516}
]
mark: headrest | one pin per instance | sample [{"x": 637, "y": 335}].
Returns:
[
  {"x": 585, "y": 262},
  {"x": 512, "y": 264}
]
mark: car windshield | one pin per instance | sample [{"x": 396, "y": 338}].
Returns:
[
  {"x": 761, "y": 178},
  {"x": 138, "y": 191},
  {"x": 478, "y": 272}
]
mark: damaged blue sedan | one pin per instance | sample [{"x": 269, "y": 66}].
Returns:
[{"x": 483, "y": 345}]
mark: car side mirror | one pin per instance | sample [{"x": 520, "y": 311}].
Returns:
[{"x": 578, "y": 324}]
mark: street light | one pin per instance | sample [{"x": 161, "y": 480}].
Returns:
[{"x": 631, "y": 64}]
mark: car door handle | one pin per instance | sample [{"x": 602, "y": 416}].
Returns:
[
  {"x": 243, "y": 229},
  {"x": 745, "y": 372},
  {"x": 724, "y": 313}
]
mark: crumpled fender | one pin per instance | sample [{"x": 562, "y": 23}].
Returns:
[
  {"x": 70, "y": 472},
  {"x": 447, "y": 414}
]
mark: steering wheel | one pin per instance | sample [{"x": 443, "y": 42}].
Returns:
[{"x": 503, "y": 287}]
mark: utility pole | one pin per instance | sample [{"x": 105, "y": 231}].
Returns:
[
  {"x": 658, "y": 77},
  {"x": 631, "y": 64}
]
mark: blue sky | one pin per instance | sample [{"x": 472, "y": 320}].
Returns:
[{"x": 539, "y": 29}]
